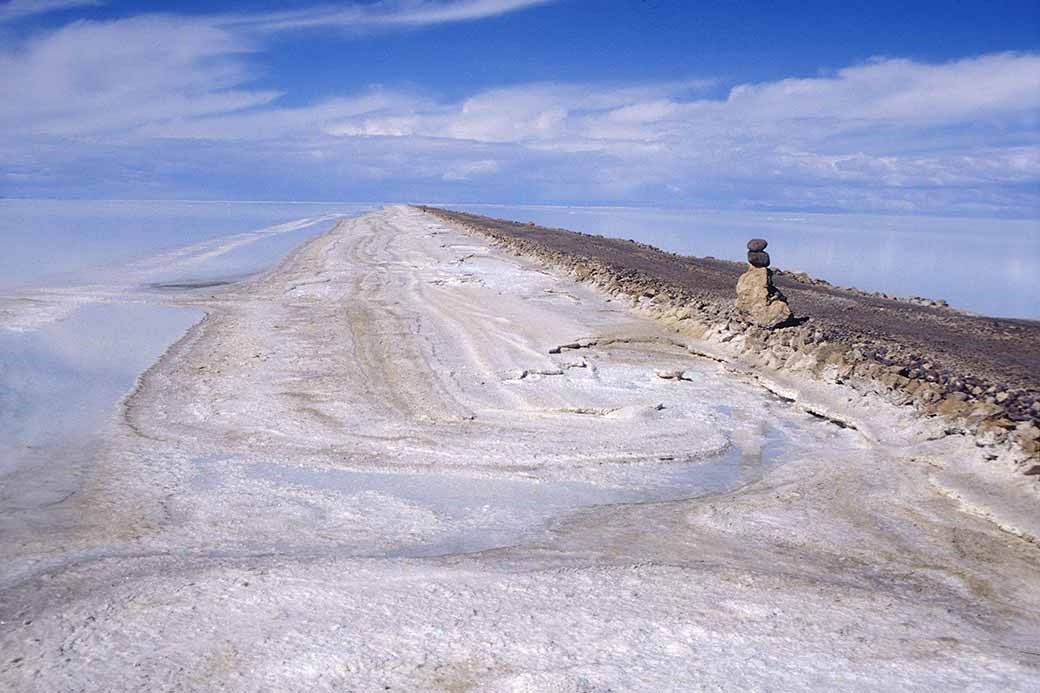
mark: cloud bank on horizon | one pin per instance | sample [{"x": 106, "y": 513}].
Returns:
[{"x": 163, "y": 105}]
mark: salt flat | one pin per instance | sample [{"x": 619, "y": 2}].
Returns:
[{"x": 367, "y": 469}]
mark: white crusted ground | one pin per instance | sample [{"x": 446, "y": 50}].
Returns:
[{"x": 282, "y": 504}]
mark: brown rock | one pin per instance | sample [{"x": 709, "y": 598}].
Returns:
[
  {"x": 758, "y": 301},
  {"x": 756, "y": 244},
  {"x": 952, "y": 406},
  {"x": 984, "y": 410}
]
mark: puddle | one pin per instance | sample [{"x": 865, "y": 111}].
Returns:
[
  {"x": 59, "y": 386},
  {"x": 478, "y": 513}
]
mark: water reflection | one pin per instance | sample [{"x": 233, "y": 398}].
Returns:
[
  {"x": 980, "y": 265},
  {"x": 58, "y": 383},
  {"x": 70, "y": 241}
]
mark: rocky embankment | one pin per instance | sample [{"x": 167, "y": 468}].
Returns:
[{"x": 981, "y": 375}]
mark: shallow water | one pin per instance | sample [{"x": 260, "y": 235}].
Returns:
[
  {"x": 986, "y": 266},
  {"x": 62, "y": 242},
  {"x": 59, "y": 386},
  {"x": 484, "y": 513},
  {"x": 61, "y": 375}
]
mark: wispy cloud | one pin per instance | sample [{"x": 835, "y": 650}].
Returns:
[
  {"x": 17, "y": 9},
  {"x": 380, "y": 15},
  {"x": 95, "y": 77},
  {"x": 467, "y": 10}
]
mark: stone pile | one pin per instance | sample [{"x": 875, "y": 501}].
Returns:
[{"x": 758, "y": 300}]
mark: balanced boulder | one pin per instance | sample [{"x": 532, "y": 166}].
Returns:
[
  {"x": 758, "y": 258},
  {"x": 758, "y": 300}
]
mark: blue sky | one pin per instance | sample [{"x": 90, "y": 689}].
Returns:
[{"x": 867, "y": 106}]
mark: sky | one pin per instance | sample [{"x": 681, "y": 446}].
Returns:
[{"x": 892, "y": 107}]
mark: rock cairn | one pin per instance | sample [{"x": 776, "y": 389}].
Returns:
[{"x": 758, "y": 300}]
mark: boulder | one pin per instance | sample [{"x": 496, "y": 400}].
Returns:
[
  {"x": 758, "y": 258},
  {"x": 758, "y": 301},
  {"x": 757, "y": 244}
]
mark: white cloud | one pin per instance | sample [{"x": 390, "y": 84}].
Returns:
[
  {"x": 329, "y": 116},
  {"x": 883, "y": 99},
  {"x": 90, "y": 77},
  {"x": 890, "y": 123},
  {"x": 166, "y": 72},
  {"x": 467, "y": 10},
  {"x": 904, "y": 91},
  {"x": 380, "y": 15},
  {"x": 466, "y": 170},
  {"x": 17, "y": 9},
  {"x": 538, "y": 115}
]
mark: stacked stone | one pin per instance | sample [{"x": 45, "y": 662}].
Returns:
[
  {"x": 757, "y": 255},
  {"x": 758, "y": 300}
]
